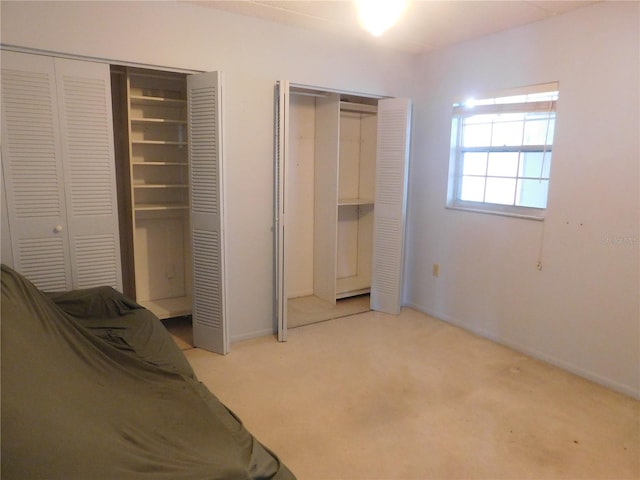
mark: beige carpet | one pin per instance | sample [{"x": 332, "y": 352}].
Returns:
[
  {"x": 373, "y": 396},
  {"x": 306, "y": 310}
]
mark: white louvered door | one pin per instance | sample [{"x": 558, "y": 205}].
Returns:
[
  {"x": 205, "y": 172},
  {"x": 32, "y": 167},
  {"x": 86, "y": 125},
  {"x": 282, "y": 126},
  {"x": 394, "y": 117},
  {"x": 57, "y": 157}
]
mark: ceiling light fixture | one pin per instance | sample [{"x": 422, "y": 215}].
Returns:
[{"x": 376, "y": 16}]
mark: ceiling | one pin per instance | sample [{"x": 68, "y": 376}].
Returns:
[{"x": 425, "y": 24}]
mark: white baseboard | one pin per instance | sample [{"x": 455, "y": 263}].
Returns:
[{"x": 532, "y": 352}]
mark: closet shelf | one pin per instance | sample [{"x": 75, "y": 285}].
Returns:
[
  {"x": 159, "y": 185},
  {"x": 171, "y": 164},
  {"x": 155, "y": 121},
  {"x": 158, "y": 142},
  {"x": 358, "y": 107},
  {"x": 168, "y": 307},
  {"x": 354, "y": 201},
  {"x": 169, "y": 102},
  {"x": 159, "y": 206}
]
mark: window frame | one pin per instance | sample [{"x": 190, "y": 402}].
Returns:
[{"x": 493, "y": 105}]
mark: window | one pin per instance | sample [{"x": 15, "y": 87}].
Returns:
[{"x": 501, "y": 152}]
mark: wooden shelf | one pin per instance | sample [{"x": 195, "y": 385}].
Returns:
[
  {"x": 176, "y": 77},
  {"x": 168, "y": 307},
  {"x": 157, "y": 121},
  {"x": 358, "y": 107},
  {"x": 158, "y": 142},
  {"x": 170, "y": 164},
  {"x": 145, "y": 207},
  {"x": 169, "y": 102},
  {"x": 159, "y": 185},
  {"x": 354, "y": 201}
]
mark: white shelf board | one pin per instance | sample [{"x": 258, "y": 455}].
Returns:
[
  {"x": 159, "y": 185},
  {"x": 158, "y": 142},
  {"x": 355, "y": 201},
  {"x": 168, "y": 307},
  {"x": 153, "y": 121},
  {"x": 160, "y": 206},
  {"x": 144, "y": 100}
]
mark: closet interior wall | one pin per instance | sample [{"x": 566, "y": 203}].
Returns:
[{"x": 331, "y": 175}]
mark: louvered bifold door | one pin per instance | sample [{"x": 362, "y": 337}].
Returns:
[
  {"x": 86, "y": 122},
  {"x": 32, "y": 168},
  {"x": 205, "y": 176},
  {"x": 281, "y": 154},
  {"x": 392, "y": 160}
]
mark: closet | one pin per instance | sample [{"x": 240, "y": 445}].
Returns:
[
  {"x": 341, "y": 180},
  {"x": 152, "y": 115},
  {"x": 109, "y": 169},
  {"x": 344, "y": 176},
  {"x": 170, "y": 171},
  {"x": 60, "y": 225}
]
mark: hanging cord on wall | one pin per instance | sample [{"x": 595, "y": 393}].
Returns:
[
  {"x": 546, "y": 136},
  {"x": 541, "y": 248},
  {"x": 544, "y": 157}
]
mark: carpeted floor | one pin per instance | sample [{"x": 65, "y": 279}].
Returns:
[{"x": 373, "y": 396}]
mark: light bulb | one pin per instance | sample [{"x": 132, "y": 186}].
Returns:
[{"x": 376, "y": 16}]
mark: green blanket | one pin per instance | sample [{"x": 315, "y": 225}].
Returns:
[{"x": 93, "y": 387}]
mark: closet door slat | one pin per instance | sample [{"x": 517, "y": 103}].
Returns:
[
  {"x": 86, "y": 122},
  {"x": 32, "y": 171},
  {"x": 205, "y": 172},
  {"x": 394, "y": 116}
]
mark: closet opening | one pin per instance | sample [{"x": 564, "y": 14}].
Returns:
[
  {"x": 330, "y": 182},
  {"x": 150, "y": 136},
  {"x": 341, "y": 170},
  {"x": 150, "y": 129},
  {"x": 311, "y": 309}
]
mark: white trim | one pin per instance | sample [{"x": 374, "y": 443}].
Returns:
[
  {"x": 300, "y": 87},
  {"x": 87, "y": 58},
  {"x": 532, "y": 352},
  {"x": 544, "y": 106},
  {"x": 511, "y": 92},
  {"x": 503, "y": 213}
]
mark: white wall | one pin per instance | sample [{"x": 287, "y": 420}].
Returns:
[
  {"x": 253, "y": 55},
  {"x": 582, "y": 310}
]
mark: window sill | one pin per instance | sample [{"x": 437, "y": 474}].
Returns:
[{"x": 529, "y": 214}]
